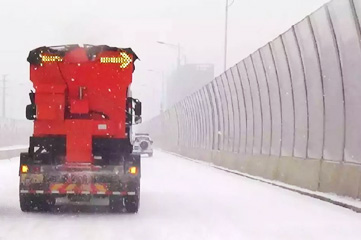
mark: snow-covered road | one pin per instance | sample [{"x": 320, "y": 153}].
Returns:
[{"x": 181, "y": 199}]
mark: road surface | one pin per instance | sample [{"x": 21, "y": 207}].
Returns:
[{"x": 181, "y": 199}]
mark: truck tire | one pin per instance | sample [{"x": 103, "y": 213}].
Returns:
[
  {"x": 150, "y": 154},
  {"x": 131, "y": 203},
  {"x": 26, "y": 204}
]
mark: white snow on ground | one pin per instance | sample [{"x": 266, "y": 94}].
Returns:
[
  {"x": 332, "y": 196},
  {"x": 181, "y": 199}
]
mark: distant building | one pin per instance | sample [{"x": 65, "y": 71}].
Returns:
[{"x": 185, "y": 80}]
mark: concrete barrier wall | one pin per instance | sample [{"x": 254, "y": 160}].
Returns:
[
  {"x": 291, "y": 111},
  {"x": 11, "y": 153}
]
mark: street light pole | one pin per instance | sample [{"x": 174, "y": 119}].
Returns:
[
  {"x": 164, "y": 82},
  {"x": 228, "y": 5},
  {"x": 178, "y": 50},
  {"x": 164, "y": 97},
  {"x": 4, "y": 97},
  {"x": 162, "y": 94},
  {"x": 179, "y": 56},
  {"x": 225, "y": 38}
]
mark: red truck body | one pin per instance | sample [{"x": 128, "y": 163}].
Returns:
[
  {"x": 82, "y": 116},
  {"x": 104, "y": 87}
]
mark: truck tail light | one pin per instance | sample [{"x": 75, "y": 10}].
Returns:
[
  {"x": 133, "y": 170},
  {"x": 24, "y": 169}
]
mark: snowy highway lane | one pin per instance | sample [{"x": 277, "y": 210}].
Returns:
[{"x": 181, "y": 199}]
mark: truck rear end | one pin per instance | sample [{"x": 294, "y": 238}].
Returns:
[{"x": 83, "y": 113}]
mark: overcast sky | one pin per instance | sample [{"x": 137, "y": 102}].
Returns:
[{"x": 198, "y": 25}]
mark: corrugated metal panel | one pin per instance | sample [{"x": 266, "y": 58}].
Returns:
[{"x": 265, "y": 102}]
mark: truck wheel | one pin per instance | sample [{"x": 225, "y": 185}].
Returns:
[
  {"x": 26, "y": 204},
  {"x": 115, "y": 204},
  {"x": 150, "y": 154},
  {"x": 131, "y": 203}
]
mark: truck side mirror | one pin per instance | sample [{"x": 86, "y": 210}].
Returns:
[
  {"x": 138, "y": 111},
  {"x": 138, "y": 108},
  {"x": 138, "y": 120},
  {"x": 30, "y": 111}
]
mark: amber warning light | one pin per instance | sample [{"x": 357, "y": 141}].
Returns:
[
  {"x": 124, "y": 60},
  {"x": 24, "y": 169},
  {"x": 133, "y": 170},
  {"x": 51, "y": 58}
]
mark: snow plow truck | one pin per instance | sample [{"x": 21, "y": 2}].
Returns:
[{"x": 83, "y": 113}]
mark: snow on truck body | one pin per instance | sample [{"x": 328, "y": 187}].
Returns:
[{"x": 83, "y": 116}]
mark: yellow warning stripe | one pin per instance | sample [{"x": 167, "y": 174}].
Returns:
[
  {"x": 85, "y": 187},
  {"x": 56, "y": 186},
  {"x": 100, "y": 188},
  {"x": 70, "y": 187}
]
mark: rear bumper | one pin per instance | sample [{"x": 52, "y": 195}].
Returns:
[
  {"x": 68, "y": 193},
  {"x": 108, "y": 182},
  {"x": 140, "y": 151}
]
